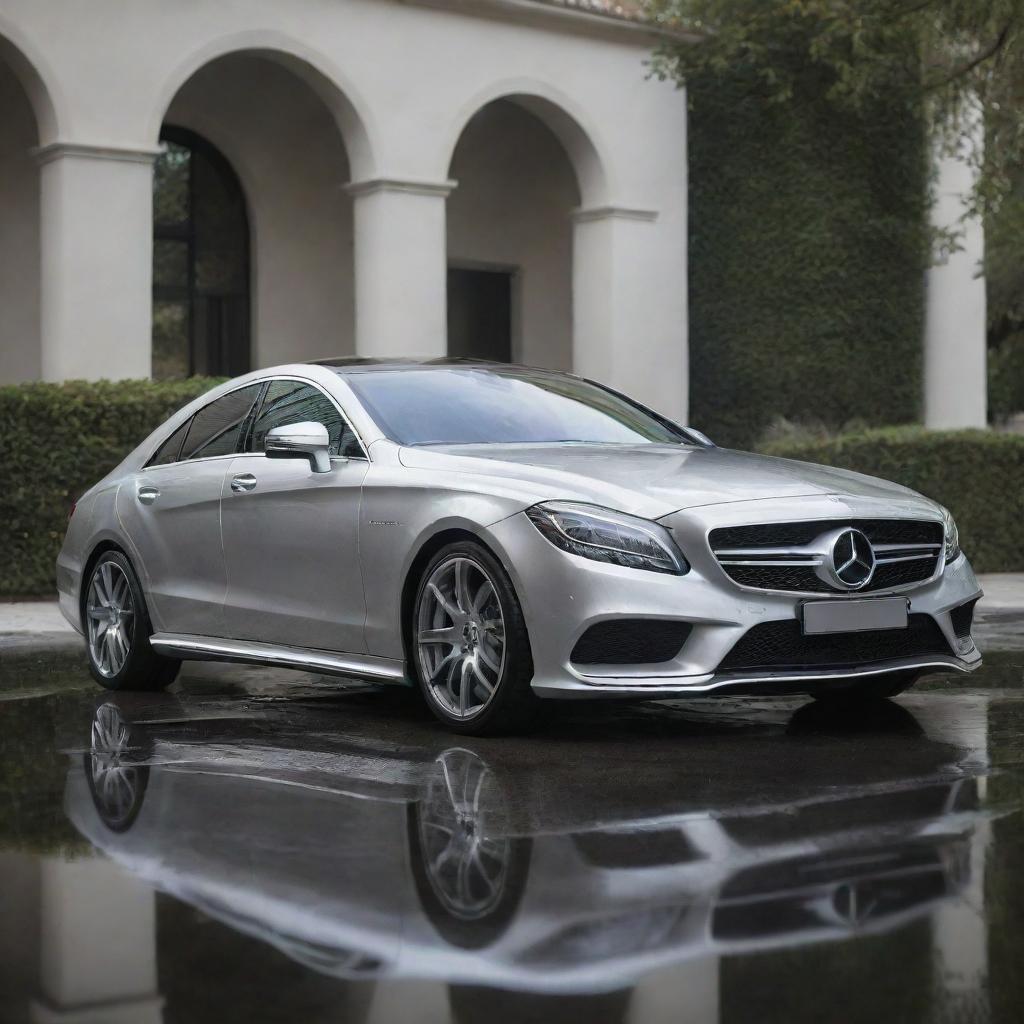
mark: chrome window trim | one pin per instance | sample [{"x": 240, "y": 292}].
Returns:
[{"x": 365, "y": 457}]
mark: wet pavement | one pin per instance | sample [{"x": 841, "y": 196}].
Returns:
[{"x": 264, "y": 846}]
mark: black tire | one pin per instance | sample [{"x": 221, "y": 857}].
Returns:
[
  {"x": 877, "y": 688},
  {"x": 142, "y": 668},
  {"x": 513, "y": 703}
]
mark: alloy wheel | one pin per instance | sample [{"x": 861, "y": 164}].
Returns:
[
  {"x": 466, "y": 868},
  {"x": 460, "y": 637},
  {"x": 110, "y": 616},
  {"x": 115, "y": 785}
]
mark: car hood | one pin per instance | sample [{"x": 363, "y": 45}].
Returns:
[{"x": 648, "y": 479}]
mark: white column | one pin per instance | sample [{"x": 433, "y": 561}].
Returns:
[
  {"x": 629, "y": 305},
  {"x": 97, "y": 254},
  {"x": 400, "y": 267},
  {"x": 955, "y": 381},
  {"x": 98, "y": 946}
]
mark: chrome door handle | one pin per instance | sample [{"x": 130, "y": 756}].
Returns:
[
  {"x": 147, "y": 494},
  {"x": 245, "y": 482}
]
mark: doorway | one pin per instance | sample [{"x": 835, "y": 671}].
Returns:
[{"x": 480, "y": 314}]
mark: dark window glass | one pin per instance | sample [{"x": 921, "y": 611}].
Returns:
[
  {"x": 465, "y": 405},
  {"x": 200, "y": 261},
  {"x": 169, "y": 451},
  {"x": 170, "y": 340},
  {"x": 217, "y": 428},
  {"x": 290, "y": 401}
]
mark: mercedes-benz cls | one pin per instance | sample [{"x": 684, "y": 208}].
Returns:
[{"x": 495, "y": 535}]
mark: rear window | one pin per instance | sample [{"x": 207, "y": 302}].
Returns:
[{"x": 170, "y": 450}]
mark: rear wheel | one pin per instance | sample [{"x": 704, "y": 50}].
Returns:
[
  {"x": 469, "y": 644},
  {"x": 877, "y": 688},
  {"x": 117, "y": 630}
]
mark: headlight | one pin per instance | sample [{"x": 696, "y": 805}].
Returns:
[
  {"x": 606, "y": 536},
  {"x": 952, "y": 536}
]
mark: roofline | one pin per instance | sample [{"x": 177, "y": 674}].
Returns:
[{"x": 569, "y": 17}]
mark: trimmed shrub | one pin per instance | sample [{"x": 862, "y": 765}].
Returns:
[
  {"x": 978, "y": 475},
  {"x": 56, "y": 441}
]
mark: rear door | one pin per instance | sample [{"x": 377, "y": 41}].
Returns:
[
  {"x": 290, "y": 535},
  {"x": 171, "y": 512}
]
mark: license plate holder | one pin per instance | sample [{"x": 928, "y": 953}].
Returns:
[{"x": 855, "y": 615}]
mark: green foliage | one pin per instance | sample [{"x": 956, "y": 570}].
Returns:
[
  {"x": 870, "y": 62},
  {"x": 978, "y": 475},
  {"x": 807, "y": 249},
  {"x": 952, "y": 54},
  {"x": 56, "y": 440}
]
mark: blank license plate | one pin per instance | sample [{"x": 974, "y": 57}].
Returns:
[{"x": 855, "y": 616}]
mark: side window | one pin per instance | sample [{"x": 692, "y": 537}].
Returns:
[
  {"x": 169, "y": 451},
  {"x": 217, "y": 429},
  {"x": 291, "y": 401}
]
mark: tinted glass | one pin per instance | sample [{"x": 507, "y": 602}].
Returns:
[
  {"x": 217, "y": 429},
  {"x": 168, "y": 451},
  {"x": 464, "y": 405},
  {"x": 290, "y": 401}
]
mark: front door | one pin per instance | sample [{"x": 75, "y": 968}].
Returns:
[
  {"x": 290, "y": 535},
  {"x": 171, "y": 513}
]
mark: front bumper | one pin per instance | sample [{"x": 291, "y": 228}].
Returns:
[{"x": 563, "y": 595}]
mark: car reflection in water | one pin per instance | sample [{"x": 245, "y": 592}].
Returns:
[{"x": 364, "y": 859}]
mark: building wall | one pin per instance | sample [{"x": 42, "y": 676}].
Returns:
[
  {"x": 19, "y": 234},
  {"x": 511, "y": 208},
  {"x": 280, "y": 139},
  {"x": 285, "y": 90}
]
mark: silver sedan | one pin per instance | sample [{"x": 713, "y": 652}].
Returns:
[{"x": 494, "y": 535}]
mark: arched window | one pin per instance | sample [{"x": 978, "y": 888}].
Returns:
[{"x": 200, "y": 261}]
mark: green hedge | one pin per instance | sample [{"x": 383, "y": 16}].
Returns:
[
  {"x": 977, "y": 475},
  {"x": 807, "y": 248},
  {"x": 56, "y": 440}
]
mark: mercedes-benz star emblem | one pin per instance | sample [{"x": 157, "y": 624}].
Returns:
[{"x": 853, "y": 559}]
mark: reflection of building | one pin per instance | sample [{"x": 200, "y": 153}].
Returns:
[
  {"x": 487, "y": 177},
  {"x": 393, "y": 879}
]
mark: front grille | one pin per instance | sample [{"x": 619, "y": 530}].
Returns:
[
  {"x": 782, "y": 645},
  {"x": 786, "y": 556},
  {"x": 962, "y": 619},
  {"x": 630, "y": 642}
]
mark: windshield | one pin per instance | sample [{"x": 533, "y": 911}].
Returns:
[{"x": 467, "y": 405}]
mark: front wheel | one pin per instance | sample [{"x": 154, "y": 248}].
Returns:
[
  {"x": 878, "y": 688},
  {"x": 468, "y": 643},
  {"x": 117, "y": 630}
]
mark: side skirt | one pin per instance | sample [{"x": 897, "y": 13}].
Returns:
[{"x": 250, "y": 652}]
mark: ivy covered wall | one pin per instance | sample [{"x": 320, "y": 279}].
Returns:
[{"x": 808, "y": 246}]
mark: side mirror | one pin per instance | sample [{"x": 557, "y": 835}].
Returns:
[{"x": 300, "y": 441}]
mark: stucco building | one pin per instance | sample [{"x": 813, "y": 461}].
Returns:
[{"x": 210, "y": 187}]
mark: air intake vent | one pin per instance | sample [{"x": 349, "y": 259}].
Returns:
[
  {"x": 781, "y": 645},
  {"x": 962, "y": 619},
  {"x": 630, "y": 642}
]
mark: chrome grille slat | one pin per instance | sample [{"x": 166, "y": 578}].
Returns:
[{"x": 907, "y": 553}]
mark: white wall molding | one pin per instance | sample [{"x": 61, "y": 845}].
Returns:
[
  {"x": 410, "y": 186},
  {"x": 585, "y": 215},
  {"x": 86, "y": 151}
]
